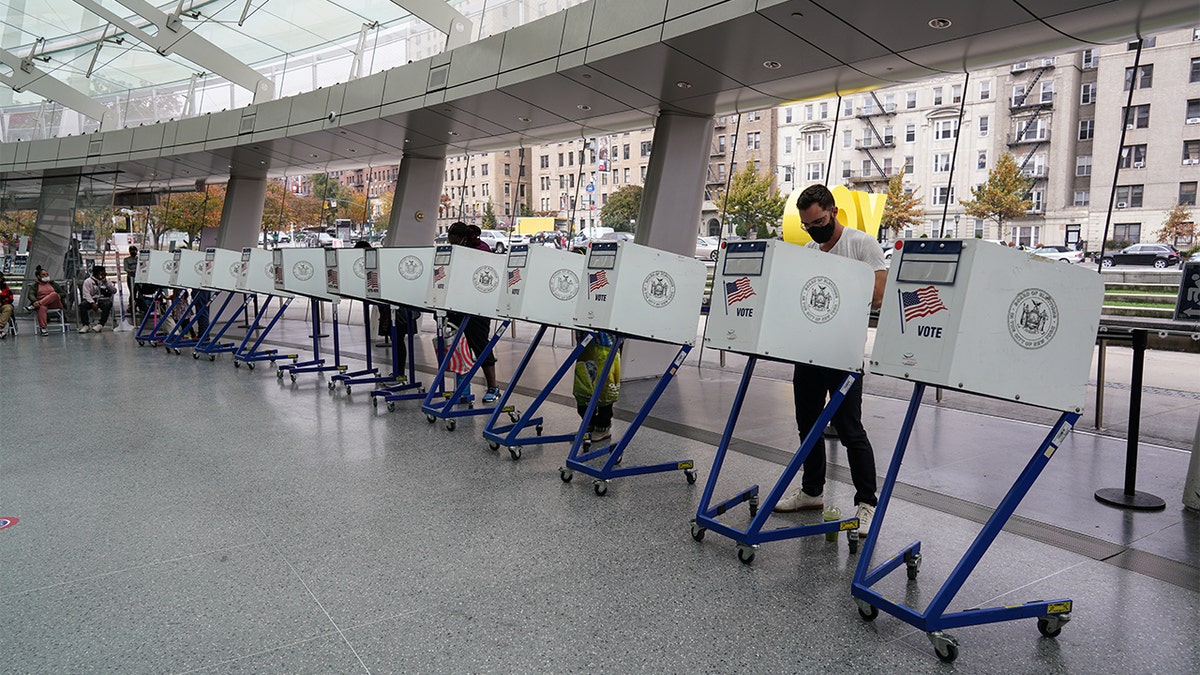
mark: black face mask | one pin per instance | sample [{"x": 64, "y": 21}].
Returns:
[{"x": 822, "y": 234}]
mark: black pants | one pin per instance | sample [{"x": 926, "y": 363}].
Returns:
[
  {"x": 811, "y": 386},
  {"x": 103, "y": 304},
  {"x": 402, "y": 330},
  {"x": 601, "y": 418}
]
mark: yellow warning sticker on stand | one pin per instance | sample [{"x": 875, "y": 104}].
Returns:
[{"x": 1058, "y": 607}]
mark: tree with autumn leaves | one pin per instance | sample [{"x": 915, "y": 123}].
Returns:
[
  {"x": 753, "y": 201},
  {"x": 1178, "y": 227},
  {"x": 902, "y": 209},
  {"x": 1003, "y": 197}
]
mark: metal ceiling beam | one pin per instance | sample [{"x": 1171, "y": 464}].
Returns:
[
  {"x": 440, "y": 15},
  {"x": 26, "y": 75},
  {"x": 173, "y": 37}
]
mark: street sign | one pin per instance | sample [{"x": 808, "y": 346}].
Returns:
[
  {"x": 1187, "y": 306},
  {"x": 590, "y": 187}
]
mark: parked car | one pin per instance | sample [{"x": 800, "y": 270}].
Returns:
[
  {"x": 1160, "y": 256},
  {"x": 619, "y": 236},
  {"x": 707, "y": 248},
  {"x": 1065, "y": 254},
  {"x": 495, "y": 239},
  {"x": 1195, "y": 258}
]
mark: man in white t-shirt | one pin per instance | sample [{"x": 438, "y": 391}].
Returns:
[{"x": 811, "y": 385}]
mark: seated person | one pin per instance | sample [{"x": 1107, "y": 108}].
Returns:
[
  {"x": 6, "y": 306},
  {"x": 97, "y": 294},
  {"x": 45, "y": 295}
]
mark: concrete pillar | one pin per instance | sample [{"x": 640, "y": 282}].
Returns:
[
  {"x": 241, "y": 217},
  {"x": 413, "y": 220},
  {"x": 1191, "y": 487},
  {"x": 52, "y": 232},
  {"x": 670, "y": 215}
]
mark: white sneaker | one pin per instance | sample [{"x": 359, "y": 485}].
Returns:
[
  {"x": 797, "y": 500},
  {"x": 864, "y": 515},
  {"x": 84, "y": 329},
  {"x": 96, "y": 328}
]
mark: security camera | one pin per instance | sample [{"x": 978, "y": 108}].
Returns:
[{"x": 332, "y": 115}]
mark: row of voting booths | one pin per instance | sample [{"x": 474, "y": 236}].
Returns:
[{"x": 963, "y": 315}]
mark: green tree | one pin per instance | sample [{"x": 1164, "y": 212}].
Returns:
[
  {"x": 622, "y": 207},
  {"x": 752, "y": 201},
  {"x": 1002, "y": 197},
  {"x": 901, "y": 210},
  {"x": 338, "y": 200},
  {"x": 187, "y": 212},
  {"x": 1178, "y": 227},
  {"x": 489, "y": 217}
]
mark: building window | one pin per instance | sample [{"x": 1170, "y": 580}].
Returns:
[
  {"x": 1133, "y": 156},
  {"x": 937, "y": 95},
  {"x": 625, "y": 151},
  {"x": 945, "y": 129},
  {"x": 1191, "y": 152},
  {"x": 845, "y": 169},
  {"x": 1137, "y": 118},
  {"x": 1087, "y": 93},
  {"x": 889, "y": 135},
  {"x": 816, "y": 142},
  {"x": 1082, "y": 198},
  {"x": 847, "y": 107},
  {"x": 910, "y": 100},
  {"x": 889, "y": 103},
  {"x": 1087, "y": 129},
  {"x": 941, "y": 162},
  {"x": 1193, "y": 111},
  {"x": 868, "y": 106},
  {"x": 808, "y": 113},
  {"x": 645, "y": 148},
  {"x": 754, "y": 140},
  {"x": 823, "y": 110},
  {"x": 981, "y": 160},
  {"x": 1145, "y": 77},
  {"x": 1146, "y": 44},
  {"x": 983, "y": 125},
  {"x": 1194, "y": 74},
  {"x": 754, "y": 116},
  {"x": 1187, "y": 193},
  {"x": 720, "y": 145},
  {"x": 787, "y": 174},
  {"x": 1130, "y": 196},
  {"x": 847, "y": 138},
  {"x": 508, "y": 189},
  {"x": 814, "y": 171},
  {"x": 985, "y": 90},
  {"x": 910, "y": 133},
  {"x": 545, "y": 161},
  {"x": 978, "y": 228},
  {"x": 1018, "y": 95},
  {"x": 866, "y": 168},
  {"x": 1048, "y": 92},
  {"x": 1091, "y": 57},
  {"x": 643, "y": 173},
  {"x": 1037, "y": 206},
  {"x": 908, "y": 164},
  {"x": 483, "y": 169},
  {"x": 720, "y": 172},
  {"x": 943, "y": 195},
  {"x": 627, "y": 179},
  {"x": 508, "y": 169},
  {"x": 1130, "y": 232},
  {"x": 787, "y": 145},
  {"x": 787, "y": 115},
  {"x": 1083, "y": 165},
  {"x": 956, "y": 93}
]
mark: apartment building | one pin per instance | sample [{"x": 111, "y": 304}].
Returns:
[{"x": 474, "y": 180}]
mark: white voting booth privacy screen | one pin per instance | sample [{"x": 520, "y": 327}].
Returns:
[
  {"x": 154, "y": 267},
  {"x": 787, "y": 302},
  {"x": 466, "y": 280},
  {"x": 187, "y": 270},
  {"x": 542, "y": 285},
  {"x": 257, "y": 274},
  {"x": 989, "y": 319},
  {"x": 399, "y": 275},
  {"x": 641, "y": 291},
  {"x": 345, "y": 274},
  {"x": 299, "y": 271},
  {"x": 221, "y": 268}
]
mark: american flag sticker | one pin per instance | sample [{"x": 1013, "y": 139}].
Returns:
[
  {"x": 372, "y": 281},
  {"x": 439, "y": 273},
  {"x": 597, "y": 281},
  {"x": 921, "y": 302},
  {"x": 514, "y": 277},
  {"x": 738, "y": 290}
]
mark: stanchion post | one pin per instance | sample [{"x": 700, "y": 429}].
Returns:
[
  {"x": 1103, "y": 352},
  {"x": 1129, "y": 497},
  {"x": 1191, "y": 487}
]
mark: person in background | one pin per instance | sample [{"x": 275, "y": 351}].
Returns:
[
  {"x": 478, "y": 331},
  {"x": 45, "y": 295},
  {"x": 587, "y": 372},
  {"x": 97, "y": 294},
  {"x": 130, "y": 266},
  {"x": 6, "y": 306}
]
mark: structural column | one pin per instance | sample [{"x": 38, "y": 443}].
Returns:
[
  {"x": 52, "y": 232},
  {"x": 241, "y": 217},
  {"x": 413, "y": 220}
]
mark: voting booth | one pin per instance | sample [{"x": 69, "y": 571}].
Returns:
[
  {"x": 187, "y": 269},
  {"x": 984, "y": 319},
  {"x": 154, "y": 268},
  {"x": 187, "y": 273},
  {"x": 640, "y": 291},
  {"x": 467, "y": 281},
  {"x": 399, "y": 276},
  {"x": 783, "y": 302},
  {"x": 300, "y": 271},
  {"x": 541, "y": 285},
  {"x": 634, "y": 291},
  {"x": 257, "y": 275},
  {"x": 220, "y": 274},
  {"x": 345, "y": 274}
]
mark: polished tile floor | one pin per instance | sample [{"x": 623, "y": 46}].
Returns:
[{"x": 178, "y": 515}]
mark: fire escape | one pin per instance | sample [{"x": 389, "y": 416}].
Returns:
[
  {"x": 714, "y": 184},
  {"x": 1033, "y": 123},
  {"x": 875, "y": 141}
]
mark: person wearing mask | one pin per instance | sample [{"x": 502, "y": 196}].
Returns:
[
  {"x": 6, "y": 306},
  {"x": 45, "y": 295},
  {"x": 479, "y": 330},
  {"x": 811, "y": 385},
  {"x": 97, "y": 295}
]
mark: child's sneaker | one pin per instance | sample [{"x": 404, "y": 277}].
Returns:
[
  {"x": 492, "y": 395},
  {"x": 598, "y": 434}
]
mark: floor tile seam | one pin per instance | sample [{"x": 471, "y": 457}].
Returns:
[
  {"x": 261, "y": 652},
  {"x": 124, "y": 570}
]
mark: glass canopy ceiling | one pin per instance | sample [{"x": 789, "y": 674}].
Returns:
[{"x": 299, "y": 45}]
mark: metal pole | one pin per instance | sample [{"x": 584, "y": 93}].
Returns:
[
  {"x": 1129, "y": 497},
  {"x": 1100, "y": 358}
]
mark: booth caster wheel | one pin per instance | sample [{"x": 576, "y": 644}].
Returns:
[
  {"x": 1051, "y": 625},
  {"x": 493, "y": 446},
  {"x": 600, "y": 487},
  {"x": 690, "y": 475},
  {"x": 212, "y": 357},
  {"x": 912, "y": 563},
  {"x": 195, "y": 356},
  {"x": 332, "y": 386},
  {"x": 250, "y": 365},
  {"x": 538, "y": 429},
  {"x": 293, "y": 376},
  {"x": 450, "y": 424},
  {"x": 513, "y": 417},
  {"x": 745, "y": 553},
  {"x": 177, "y": 352},
  {"x": 141, "y": 343},
  {"x": 374, "y": 401},
  {"x": 753, "y": 506},
  {"x": 852, "y": 541},
  {"x": 698, "y": 531},
  {"x": 514, "y": 451},
  {"x": 391, "y": 406},
  {"x": 867, "y": 611},
  {"x": 238, "y": 364},
  {"x": 347, "y": 390},
  {"x": 945, "y": 646},
  {"x": 278, "y": 374},
  {"x": 430, "y": 418},
  {"x": 565, "y": 474}
]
